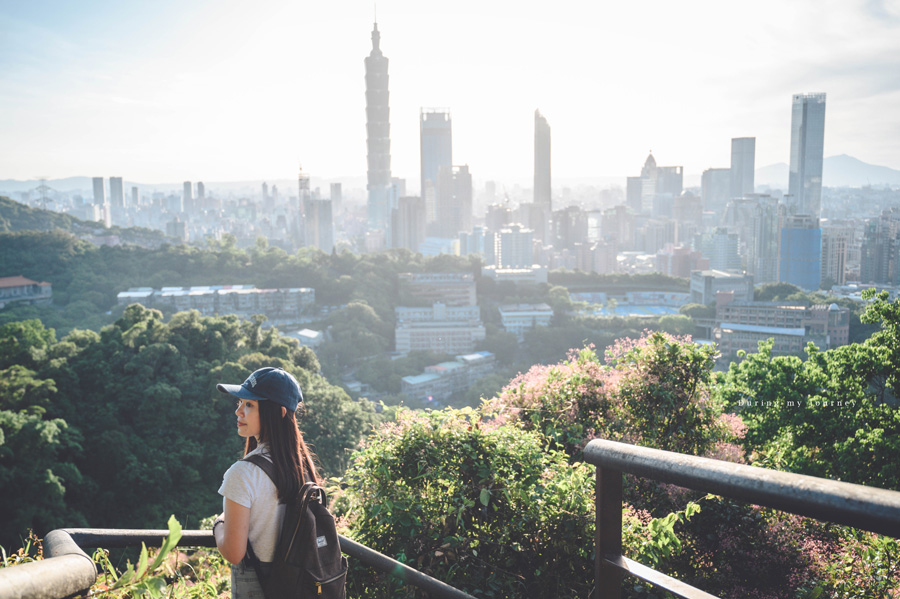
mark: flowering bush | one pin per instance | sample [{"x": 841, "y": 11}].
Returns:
[{"x": 652, "y": 391}]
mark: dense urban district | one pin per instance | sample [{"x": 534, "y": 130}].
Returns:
[{"x": 448, "y": 402}]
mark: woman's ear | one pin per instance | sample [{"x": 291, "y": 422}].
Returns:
[{"x": 283, "y": 411}]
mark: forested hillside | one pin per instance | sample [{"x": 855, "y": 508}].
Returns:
[
  {"x": 124, "y": 427},
  {"x": 15, "y": 217}
]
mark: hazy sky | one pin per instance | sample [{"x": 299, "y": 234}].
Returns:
[{"x": 225, "y": 90}]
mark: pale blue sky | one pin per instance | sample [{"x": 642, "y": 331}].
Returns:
[{"x": 224, "y": 90}]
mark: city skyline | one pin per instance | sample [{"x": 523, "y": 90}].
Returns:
[{"x": 223, "y": 91}]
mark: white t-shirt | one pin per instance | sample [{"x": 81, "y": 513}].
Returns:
[{"x": 246, "y": 484}]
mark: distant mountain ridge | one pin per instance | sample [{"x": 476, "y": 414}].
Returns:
[{"x": 837, "y": 171}]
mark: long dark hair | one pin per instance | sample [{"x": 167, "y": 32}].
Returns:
[{"x": 294, "y": 462}]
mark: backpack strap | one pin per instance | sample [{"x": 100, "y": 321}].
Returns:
[
  {"x": 269, "y": 468},
  {"x": 305, "y": 495}
]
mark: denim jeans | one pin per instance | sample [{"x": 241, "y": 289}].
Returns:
[{"x": 244, "y": 582}]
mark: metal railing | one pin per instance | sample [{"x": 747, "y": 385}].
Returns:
[
  {"x": 67, "y": 570},
  {"x": 867, "y": 508}
]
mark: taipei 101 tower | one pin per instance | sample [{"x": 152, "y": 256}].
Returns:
[{"x": 378, "y": 136}]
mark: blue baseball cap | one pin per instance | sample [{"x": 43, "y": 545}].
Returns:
[{"x": 268, "y": 384}]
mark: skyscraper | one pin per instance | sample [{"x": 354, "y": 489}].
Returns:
[
  {"x": 187, "y": 199},
  {"x": 807, "y": 147},
  {"x": 542, "y": 187},
  {"x": 543, "y": 200},
  {"x": 435, "y": 151},
  {"x": 303, "y": 205},
  {"x": 116, "y": 192},
  {"x": 99, "y": 191},
  {"x": 454, "y": 201},
  {"x": 743, "y": 165},
  {"x": 378, "y": 135},
  {"x": 765, "y": 239},
  {"x": 319, "y": 224}
]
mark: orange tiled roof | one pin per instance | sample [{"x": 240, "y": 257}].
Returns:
[{"x": 18, "y": 281}]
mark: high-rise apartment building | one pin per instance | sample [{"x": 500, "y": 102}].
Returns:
[
  {"x": 514, "y": 247},
  {"x": 764, "y": 241},
  {"x": 801, "y": 252},
  {"x": 835, "y": 242},
  {"x": 99, "y": 191},
  {"x": 880, "y": 252},
  {"x": 408, "y": 223},
  {"x": 721, "y": 248},
  {"x": 435, "y": 151},
  {"x": 715, "y": 189},
  {"x": 453, "y": 206},
  {"x": 807, "y": 148},
  {"x": 743, "y": 166},
  {"x": 135, "y": 196},
  {"x": 201, "y": 191},
  {"x": 319, "y": 224},
  {"x": 378, "y": 136},
  {"x": 116, "y": 192}
]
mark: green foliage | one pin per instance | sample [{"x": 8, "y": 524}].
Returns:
[
  {"x": 698, "y": 311},
  {"x": 24, "y": 343},
  {"x": 119, "y": 428},
  {"x": 172, "y": 574},
  {"x": 676, "y": 324},
  {"x": 771, "y": 292},
  {"x": 484, "y": 508},
  {"x": 618, "y": 282},
  {"x": 831, "y": 415},
  {"x": 15, "y": 216},
  {"x": 887, "y": 340},
  {"x": 867, "y": 565}
]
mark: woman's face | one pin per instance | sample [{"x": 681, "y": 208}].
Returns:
[{"x": 247, "y": 413}]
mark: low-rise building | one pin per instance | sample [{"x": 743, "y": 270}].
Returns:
[
  {"x": 523, "y": 276},
  {"x": 450, "y": 288},
  {"x": 20, "y": 290},
  {"x": 705, "y": 284},
  {"x": 520, "y": 318},
  {"x": 440, "y": 381},
  {"x": 732, "y": 337},
  {"x": 244, "y": 300},
  {"x": 742, "y": 325},
  {"x": 439, "y": 328}
]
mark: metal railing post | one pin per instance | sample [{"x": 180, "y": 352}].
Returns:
[{"x": 607, "y": 578}]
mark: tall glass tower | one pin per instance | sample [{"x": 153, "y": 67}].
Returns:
[
  {"x": 378, "y": 136},
  {"x": 542, "y": 183},
  {"x": 543, "y": 200},
  {"x": 807, "y": 147},
  {"x": 435, "y": 152}
]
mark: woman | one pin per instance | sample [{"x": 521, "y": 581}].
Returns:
[{"x": 253, "y": 504}]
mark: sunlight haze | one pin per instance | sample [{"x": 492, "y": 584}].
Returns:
[{"x": 224, "y": 91}]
